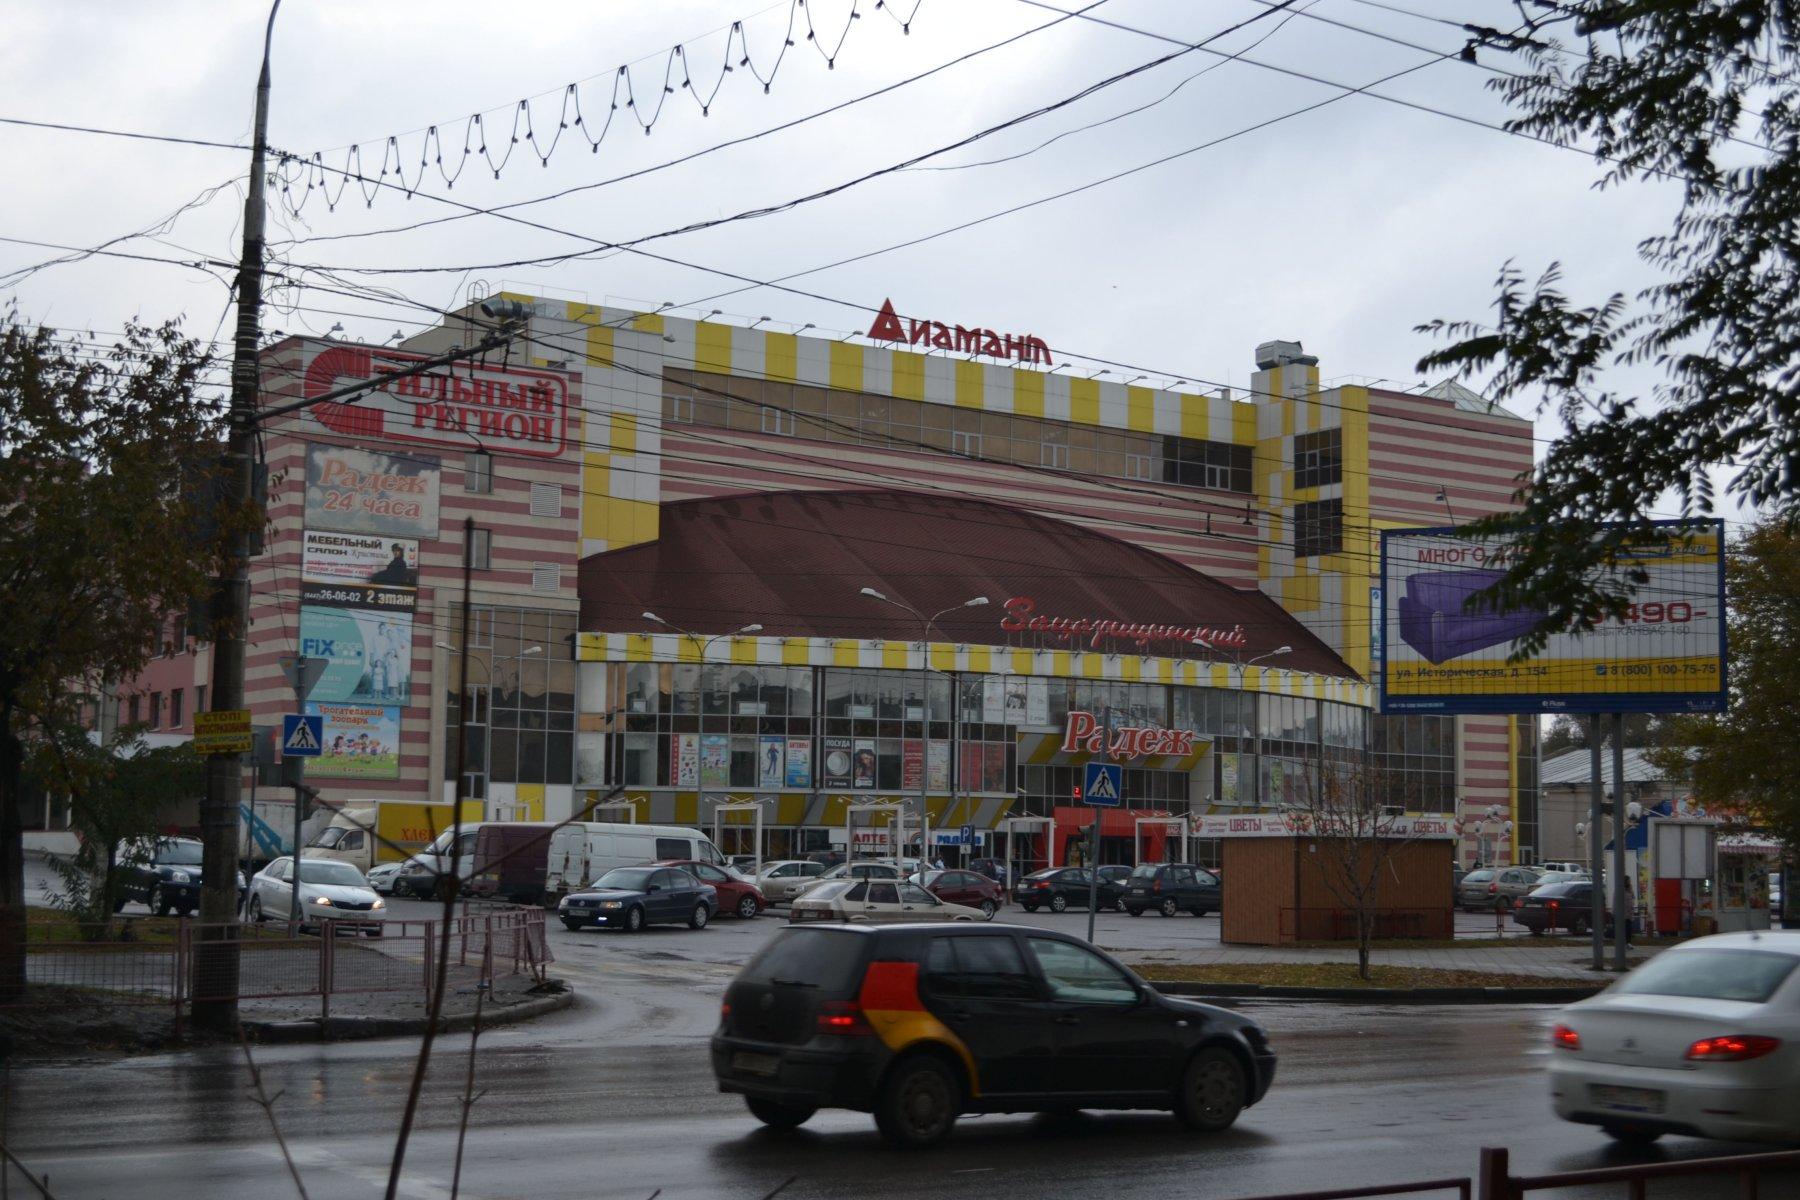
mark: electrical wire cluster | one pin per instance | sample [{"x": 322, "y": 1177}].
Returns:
[{"x": 497, "y": 137}]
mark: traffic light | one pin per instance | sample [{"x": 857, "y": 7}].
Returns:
[{"x": 1077, "y": 793}]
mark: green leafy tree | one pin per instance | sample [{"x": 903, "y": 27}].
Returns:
[
  {"x": 119, "y": 791},
  {"x": 1705, "y": 95},
  {"x": 1747, "y": 759},
  {"x": 99, "y": 545}
]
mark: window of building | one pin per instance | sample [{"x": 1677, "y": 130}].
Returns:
[
  {"x": 681, "y": 410},
  {"x": 156, "y": 710},
  {"x": 1525, "y": 781},
  {"x": 779, "y": 421},
  {"x": 480, "y": 549},
  {"x": 200, "y": 698},
  {"x": 1318, "y": 528},
  {"x": 1140, "y": 466},
  {"x": 1319, "y": 458},
  {"x": 520, "y": 704},
  {"x": 478, "y": 472},
  {"x": 175, "y": 713},
  {"x": 1054, "y": 456},
  {"x": 1412, "y": 758},
  {"x": 1192, "y": 462},
  {"x": 966, "y": 444}
]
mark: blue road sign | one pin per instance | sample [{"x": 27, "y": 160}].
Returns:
[
  {"x": 302, "y": 736},
  {"x": 968, "y": 835},
  {"x": 1104, "y": 786}
]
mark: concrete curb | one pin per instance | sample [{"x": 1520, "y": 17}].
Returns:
[
  {"x": 336, "y": 1029},
  {"x": 1462, "y": 995}
]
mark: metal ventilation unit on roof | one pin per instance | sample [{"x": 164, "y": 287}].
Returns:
[{"x": 1270, "y": 355}]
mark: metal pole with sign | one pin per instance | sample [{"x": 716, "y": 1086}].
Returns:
[
  {"x": 1621, "y": 889},
  {"x": 1596, "y": 848},
  {"x": 1102, "y": 787}
]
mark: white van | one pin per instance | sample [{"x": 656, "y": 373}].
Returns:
[{"x": 582, "y": 851}]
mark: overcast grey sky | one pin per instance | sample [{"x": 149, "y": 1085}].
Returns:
[{"x": 1344, "y": 227}]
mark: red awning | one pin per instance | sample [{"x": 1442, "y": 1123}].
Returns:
[{"x": 796, "y": 562}]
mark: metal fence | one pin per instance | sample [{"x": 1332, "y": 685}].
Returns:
[
  {"x": 1391, "y": 924},
  {"x": 278, "y": 962}
]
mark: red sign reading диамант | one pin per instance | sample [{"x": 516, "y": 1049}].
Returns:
[
  {"x": 464, "y": 406},
  {"x": 960, "y": 339}
]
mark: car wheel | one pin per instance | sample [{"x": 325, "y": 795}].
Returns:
[
  {"x": 255, "y": 912},
  {"x": 1136, "y": 912},
  {"x": 988, "y": 909},
  {"x": 634, "y": 919},
  {"x": 1030, "y": 908},
  {"x": 1198, "y": 912},
  {"x": 918, "y": 1104},
  {"x": 1119, "y": 904},
  {"x": 1537, "y": 933},
  {"x": 570, "y": 925},
  {"x": 1579, "y": 925},
  {"x": 697, "y": 919},
  {"x": 1212, "y": 1091},
  {"x": 1168, "y": 907},
  {"x": 777, "y": 1115},
  {"x": 1631, "y": 1139},
  {"x": 158, "y": 903},
  {"x": 1059, "y": 904},
  {"x": 745, "y": 910}
]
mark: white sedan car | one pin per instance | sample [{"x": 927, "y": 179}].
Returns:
[
  {"x": 381, "y": 877},
  {"x": 330, "y": 892},
  {"x": 1703, "y": 1040},
  {"x": 876, "y": 900}
]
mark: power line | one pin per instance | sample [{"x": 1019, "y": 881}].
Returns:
[{"x": 123, "y": 133}]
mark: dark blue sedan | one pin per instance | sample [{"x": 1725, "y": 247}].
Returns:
[{"x": 630, "y": 898}]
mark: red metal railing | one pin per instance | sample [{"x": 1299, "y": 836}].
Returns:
[{"x": 1498, "y": 1183}]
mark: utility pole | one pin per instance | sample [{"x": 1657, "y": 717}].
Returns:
[
  {"x": 1596, "y": 847},
  {"x": 1621, "y": 890},
  {"x": 215, "y": 964}
]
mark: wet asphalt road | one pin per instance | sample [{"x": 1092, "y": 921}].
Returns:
[{"x": 614, "y": 1098}]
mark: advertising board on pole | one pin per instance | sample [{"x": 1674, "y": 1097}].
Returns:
[
  {"x": 1440, "y": 654},
  {"x": 358, "y": 741}
]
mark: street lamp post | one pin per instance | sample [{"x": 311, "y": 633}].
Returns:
[
  {"x": 703, "y": 643},
  {"x": 926, "y": 625}
]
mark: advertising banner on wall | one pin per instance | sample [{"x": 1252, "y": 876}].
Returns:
[
  {"x": 799, "y": 763},
  {"x": 993, "y": 700},
  {"x": 512, "y": 410},
  {"x": 365, "y": 491},
  {"x": 862, "y": 767},
  {"x": 937, "y": 766},
  {"x": 362, "y": 741},
  {"x": 912, "y": 765},
  {"x": 358, "y": 570},
  {"x": 1037, "y": 700},
  {"x": 993, "y": 768},
  {"x": 771, "y": 761},
  {"x": 1015, "y": 701},
  {"x": 838, "y": 760},
  {"x": 687, "y": 760},
  {"x": 1440, "y": 654},
  {"x": 1228, "y": 779},
  {"x": 715, "y": 760},
  {"x": 368, "y": 655}
]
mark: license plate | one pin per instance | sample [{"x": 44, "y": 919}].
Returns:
[
  {"x": 1137, "y": 891},
  {"x": 1627, "y": 1099},
  {"x": 755, "y": 1064}
]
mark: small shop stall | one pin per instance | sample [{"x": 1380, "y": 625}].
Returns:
[
  {"x": 1683, "y": 863},
  {"x": 1745, "y": 863},
  {"x": 1285, "y": 883}
]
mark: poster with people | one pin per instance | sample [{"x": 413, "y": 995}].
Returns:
[
  {"x": 839, "y": 758},
  {"x": 715, "y": 760},
  {"x": 771, "y": 761},
  {"x": 368, "y": 655},
  {"x": 799, "y": 763},
  {"x": 862, "y": 768},
  {"x": 1015, "y": 700},
  {"x": 358, "y": 570},
  {"x": 361, "y": 741}
]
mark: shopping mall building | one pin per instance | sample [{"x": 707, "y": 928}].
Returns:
[{"x": 718, "y": 563}]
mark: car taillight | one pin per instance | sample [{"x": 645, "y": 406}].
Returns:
[
  {"x": 1564, "y": 1038},
  {"x": 1492, "y": 888},
  {"x": 1732, "y": 1047},
  {"x": 1552, "y": 905},
  {"x": 842, "y": 1018},
  {"x": 1042, "y": 885},
  {"x": 1157, "y": 886},
  {"x": 724, "y": 1012}
]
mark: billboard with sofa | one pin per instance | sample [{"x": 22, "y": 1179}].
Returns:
[{"x": 1445, "y": 651}]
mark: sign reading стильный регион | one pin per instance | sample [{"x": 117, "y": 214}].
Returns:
[{"x": 1440, "y": 654}]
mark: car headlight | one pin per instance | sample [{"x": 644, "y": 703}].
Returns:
[
  {"x": 324, "y": 901},
  {"x": 180, "y": 877},
  {"x": 379, "y": 903},
  {"x": 612, "y": 904}
]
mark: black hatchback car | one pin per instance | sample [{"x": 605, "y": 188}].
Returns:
[
  {"x": 1556, "y": 906},
  {"x": 918, "y": 1024},
  {"x": 1170, "y": 888},
  {"x": 1062, "y": 888}
]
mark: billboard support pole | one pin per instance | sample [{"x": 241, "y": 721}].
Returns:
[
  {"x": 1620, "y": 890},
  {"x": 1596, "y": 847}
]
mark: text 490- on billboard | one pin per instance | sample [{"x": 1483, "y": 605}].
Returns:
[{"x": 1666, "y": 655}]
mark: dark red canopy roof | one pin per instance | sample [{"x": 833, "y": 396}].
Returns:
[{"x": 796, "y": 562}]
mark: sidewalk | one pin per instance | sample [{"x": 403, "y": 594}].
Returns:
[{"x": 1546, "y": 961}]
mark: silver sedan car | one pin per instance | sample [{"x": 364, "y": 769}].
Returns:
[{"x": 780, "y": 882}]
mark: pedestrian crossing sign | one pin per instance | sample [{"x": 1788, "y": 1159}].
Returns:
[
  {"x": 302, "y": 736},
  {"x": 1104, "y": 785}
]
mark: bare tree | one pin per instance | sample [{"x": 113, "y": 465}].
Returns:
[{"x": 1358, "y": 812}]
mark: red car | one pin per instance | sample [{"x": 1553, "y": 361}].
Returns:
[
  {"x": 969, "y": 888},
  {"x": 738, "y": 897}
]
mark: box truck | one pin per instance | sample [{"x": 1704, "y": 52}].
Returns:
[{"x": 366, "y": 832}]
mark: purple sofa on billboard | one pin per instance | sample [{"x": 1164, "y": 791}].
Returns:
[{"x": 1434, "y": 622}]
